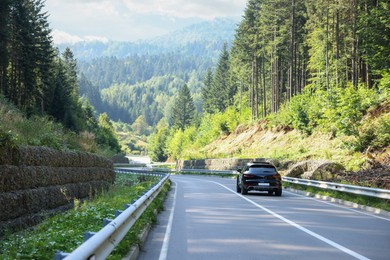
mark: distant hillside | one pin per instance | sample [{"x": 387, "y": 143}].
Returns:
[
  {"x": 120, "y": 77},
  {"x": 204, "y": 39}
]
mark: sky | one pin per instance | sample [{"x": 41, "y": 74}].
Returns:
[{"x": 131, "y": 20}]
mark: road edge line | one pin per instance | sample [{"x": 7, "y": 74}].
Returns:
[{"x": 167, "y": 236}]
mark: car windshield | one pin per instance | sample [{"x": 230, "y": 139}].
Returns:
[{"x": 262, "y": 170}]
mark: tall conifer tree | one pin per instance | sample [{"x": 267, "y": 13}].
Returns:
[{"x": 183, "y": 110}]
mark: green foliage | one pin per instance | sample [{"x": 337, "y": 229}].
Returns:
[
  {"x": 157, "y": 143},
  {"x": 17, "y": 129},
  {"x": 374, "y": 31},
  {"x": 131, "y": 142},
  {"x": 374, "y": 134},
  {"x": 106, "y": 134},
  {"x": 186, "y": 144},
  {"x": 384, "y": 84},
  {"x": 43, "y": 85},
  {"x": 65, "y": 231},
  {"x": 7, "y": 139},
  {"x": 219, "y": 92},
  {"x": 140, "y": 126},
  {"x": 338, "y": 112},
  {"x": 152, "y": 99},
  {"x": 175, "y": 144},
  {"x": 206, "y": 130}
]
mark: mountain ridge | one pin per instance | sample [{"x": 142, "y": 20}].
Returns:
[{"x": 205, "y": 38}]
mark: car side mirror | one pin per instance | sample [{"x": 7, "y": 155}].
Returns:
[{"x": 239, "y": 170}]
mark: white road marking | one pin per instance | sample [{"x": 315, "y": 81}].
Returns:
[
  {"x": 307, "y": 231},
  {"x": 167, "y": 236}
]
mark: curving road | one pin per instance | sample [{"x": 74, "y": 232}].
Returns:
[{"x": 205, "y": 218}]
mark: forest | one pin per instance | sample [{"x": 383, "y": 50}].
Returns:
[
  {"x": 313, "y": 66},
  {"x": 129, "y": 87},
  {"x": 299, "y": 64},
  {"x": 42, "y": 83},
  {"x": 128, "y": 79}
]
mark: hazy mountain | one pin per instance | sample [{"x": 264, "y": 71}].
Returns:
[
  {"x": 218, "y": 30},
  {"x": 205, "y": 39}
]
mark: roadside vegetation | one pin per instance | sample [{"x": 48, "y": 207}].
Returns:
[
  {"x": 65, "y": 231},
  {"x": 348, "y": 129},
  {"x": 40, "y": 102},
  {"x": 39, "y": 130},
  {"x": 293, "y": 87}
]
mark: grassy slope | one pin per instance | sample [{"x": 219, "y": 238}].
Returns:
[
  {"x": 17, "y": 129},
  {"x": 283, "y": 145},
  {"x": 291, "y": 145}
]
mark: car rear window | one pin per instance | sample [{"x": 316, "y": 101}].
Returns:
[{"x": 262, "y": 169}]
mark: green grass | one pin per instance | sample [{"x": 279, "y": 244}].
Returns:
[
  {"x": 378, "y": 203},
  {"x": 16, "y": 129},
  {"x": 65, "y": 232}
]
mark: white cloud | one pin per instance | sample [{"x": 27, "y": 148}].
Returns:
[
  {"x": 63, "y": 37},
  {"x": 130, "y": 20}
]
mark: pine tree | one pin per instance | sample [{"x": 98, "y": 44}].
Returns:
[
  {"x": 183, "y": 110},
  {"x": 221, "y": 92},
  {"x": 206, "y": 91}
]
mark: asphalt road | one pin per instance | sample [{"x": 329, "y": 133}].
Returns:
[{"x": 204, "y": 218}]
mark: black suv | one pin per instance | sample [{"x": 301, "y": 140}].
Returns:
[{"x": 259, "y": 176}]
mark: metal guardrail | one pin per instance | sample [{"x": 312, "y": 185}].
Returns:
[
  {"x": 100, "y": 245},
  {"x": 143, "y": 171},
  {"x": 208, "y": 171},
  {"x": 372, "y": 192}
]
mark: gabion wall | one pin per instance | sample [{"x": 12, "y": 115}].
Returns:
[{"x": 36, "y": 181}]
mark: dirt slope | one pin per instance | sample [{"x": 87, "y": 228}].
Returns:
[{"x": 290, "y": 146}]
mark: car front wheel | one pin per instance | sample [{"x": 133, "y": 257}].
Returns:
[
  {"x": 244, "y": 191},
  {"x": 238, "y": 188}
]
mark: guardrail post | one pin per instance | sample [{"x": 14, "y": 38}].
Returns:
[
  {"x": 60, "y": 255},
  {"x": 106, "y": 221},
  {"x": 88, "y": 235},
  {"x": 118, "y": 212}
]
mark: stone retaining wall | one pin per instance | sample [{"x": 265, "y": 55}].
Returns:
[
  {"x": 35, "y": 181},
  {"x": 218, "y": 164}
]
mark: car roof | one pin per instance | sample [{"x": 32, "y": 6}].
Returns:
[{"x": 250, "y": 164}]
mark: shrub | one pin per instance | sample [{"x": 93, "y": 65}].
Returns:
[
  {"x": 374, "y": 134},
  {"x": 7, "y": 139}
]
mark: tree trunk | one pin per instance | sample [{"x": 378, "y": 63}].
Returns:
[
  {"x": 337, "y": 46},
  {"x": 354, "y": 46},
  {"x": 264, "y": 89},
  {"x": 292, "y": 50}
]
